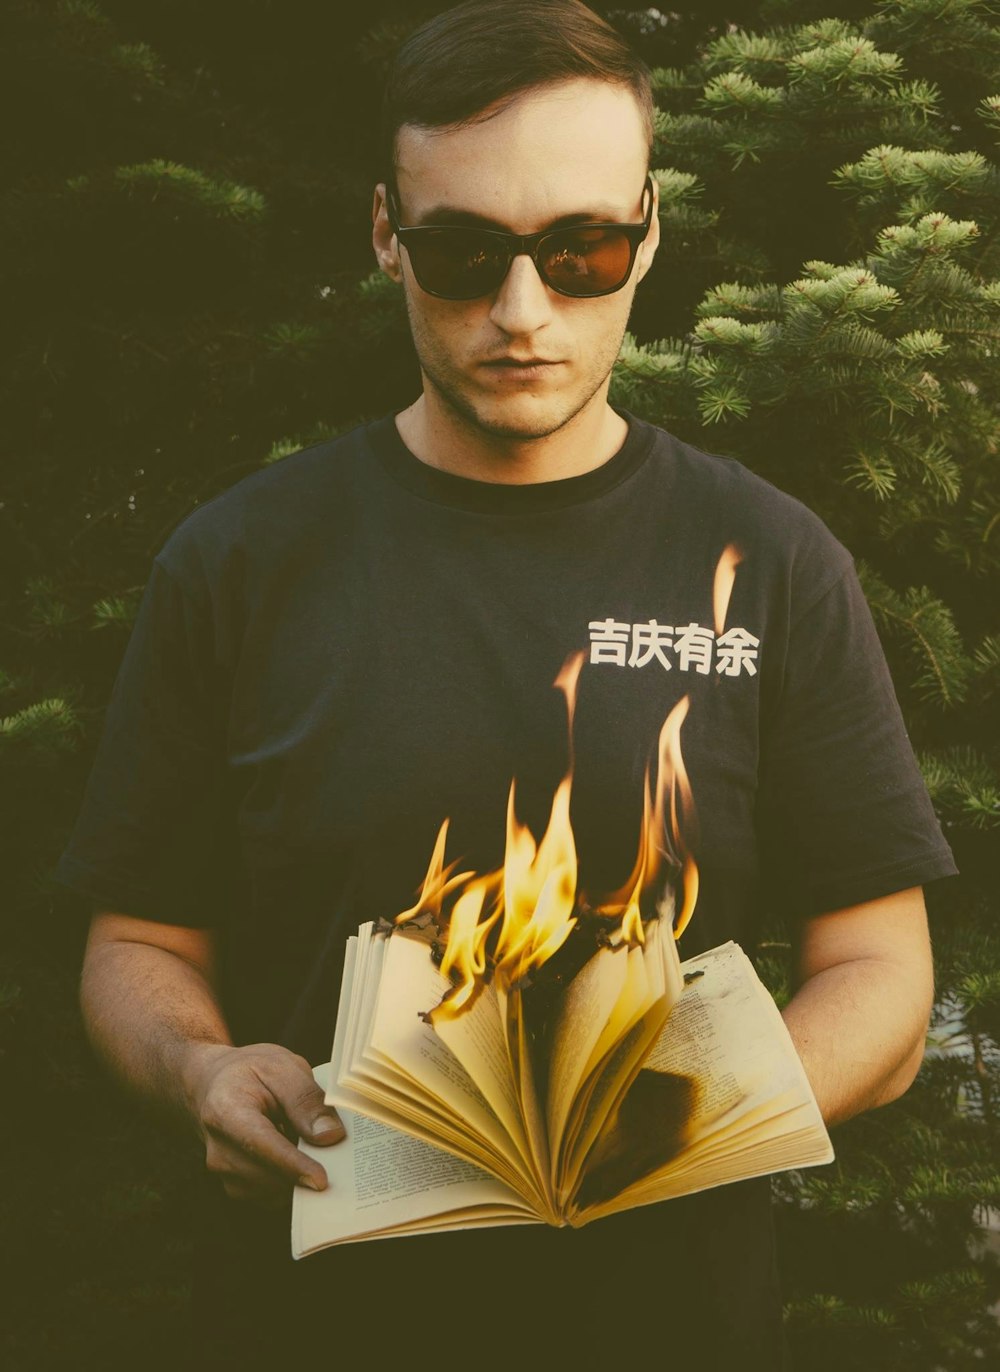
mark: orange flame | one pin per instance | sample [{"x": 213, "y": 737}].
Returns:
[
  {"x": 438, "y": 883},
  {"x": 465, "y": 955},
  {"x": 722, "y": 590},
  {"x": 671, "y": 782},
  {"x": 532, "y": 900}
]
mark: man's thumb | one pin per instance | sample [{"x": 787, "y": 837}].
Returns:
[{"x": 326, "y": 1128}]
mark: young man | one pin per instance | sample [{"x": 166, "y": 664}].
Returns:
[{"x": 350, "y": 646}]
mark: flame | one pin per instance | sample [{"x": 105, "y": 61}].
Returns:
[
  {"x": 673, "y": 793},
  {"x": 539, "y": 890},
  {"x": 438, "y": 883},
  {"x": 722, "y": 590},
  {"x": 465, "y": 954},
  {"x": 509, "y": 923}
]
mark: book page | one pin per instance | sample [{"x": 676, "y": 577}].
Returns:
[
  {"x": 476, "y": 1039},
  {"x": 410, "y": 986},
  {"x": 727, "y": 1033},
  {"x": 597, "y": 1107},
  {"x": 590, "y": 1003},
  {"x": 651, "y": 987},
  {"x": 721, "y": 1083},
  {"x": 382, "y": 1181},
  {"x": 341, "y": 1030},
  {"x": 429, "y": 1095},
  {"x": 519, "y": 1048}
]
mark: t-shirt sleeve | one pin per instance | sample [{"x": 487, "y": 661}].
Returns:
[
  {"x": 147, "y": 840},
  {"x": 844, "y": 815}
]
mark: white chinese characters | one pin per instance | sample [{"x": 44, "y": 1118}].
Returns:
[{"x": 688, "y": 647}]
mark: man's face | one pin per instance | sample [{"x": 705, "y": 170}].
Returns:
[{"x": 562, "y": 150}]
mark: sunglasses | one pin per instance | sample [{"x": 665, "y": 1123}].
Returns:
[{"x": 459, "y": 263}]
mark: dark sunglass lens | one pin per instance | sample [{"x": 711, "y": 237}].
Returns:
[
  {"x": 586, "y": 261},
  {"x": 459, "y": 263}
]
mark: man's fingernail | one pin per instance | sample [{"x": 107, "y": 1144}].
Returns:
[
  {"x": 311, "y": 1182},
  {"x": 325, "y": 1126}
]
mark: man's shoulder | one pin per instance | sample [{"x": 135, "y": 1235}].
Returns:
[
  {"x": 301, "y": 493},
  {"x": 727, "y": 484},
  {"x": 720, "y": 493}
]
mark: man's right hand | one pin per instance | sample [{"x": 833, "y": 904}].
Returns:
[
  {"x": 150, "y": 1005},
  {"x": 248, "y": 1104}
]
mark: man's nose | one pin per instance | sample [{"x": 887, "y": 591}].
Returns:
[{"x": 522, "y": 302}]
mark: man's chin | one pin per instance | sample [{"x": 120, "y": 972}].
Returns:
[{"x": 523, "y": 417}]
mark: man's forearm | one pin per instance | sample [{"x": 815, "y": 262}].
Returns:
[
  {"x": 152, "y": 1016},
  {"x": 859, "y": 1018},
  {"x": 847, "y": 1028}
]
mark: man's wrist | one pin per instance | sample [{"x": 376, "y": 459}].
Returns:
[{"x": 193, "y": 1061}]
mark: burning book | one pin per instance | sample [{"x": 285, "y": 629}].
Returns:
[{"x": 511, "y": 1051}]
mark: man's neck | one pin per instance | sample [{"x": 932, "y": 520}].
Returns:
[{"x": 446, "y": 440}]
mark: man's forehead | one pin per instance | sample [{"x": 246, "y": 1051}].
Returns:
[{"x": 576, "y": 150}]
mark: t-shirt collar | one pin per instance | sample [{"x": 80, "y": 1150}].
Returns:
[{"x": 460, "y": 492}]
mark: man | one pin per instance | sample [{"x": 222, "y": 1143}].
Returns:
[{"x": 354, "y": 644}]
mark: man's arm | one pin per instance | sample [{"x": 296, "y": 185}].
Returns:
[
  {"x": 151, "y": 1012},
  {"x": 866, "y": 989}
]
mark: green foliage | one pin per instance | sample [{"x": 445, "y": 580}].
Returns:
[
  {"x": 186, "y": 273},
  {"x": 964, "y": 785},
  {"x": 179, "y": 185},
  {"x": 929, "y": 635},
  {"x": 117, "y": 611},
  {"x": 48, "y": 725}
]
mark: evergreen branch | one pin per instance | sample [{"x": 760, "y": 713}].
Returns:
[
  {"x": 989, "y": 111},
  {"x": 319, "y": 433},
  {"x": 221, "y": 199},
  {"x": 734, "y": 90},
  {"x": 987, "y": 655},
  {"x": 873, "y": 472},
  {"x": 50, "y": 724},
  {"x": 848, "y": 58},
  {"x": 117, "y": 611},
  {"x": 928, "y": 628},
  {"x": 936, "y": 1295},
  {"x": 140, "y": 61},
  {"x": 963, "y": 785},
  {"x": 823, "y": 1311}
]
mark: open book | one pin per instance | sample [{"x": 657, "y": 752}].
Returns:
[{"x": 643, "y": 1080}]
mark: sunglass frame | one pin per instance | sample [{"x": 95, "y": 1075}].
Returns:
[{"x": 516, "y": 244}]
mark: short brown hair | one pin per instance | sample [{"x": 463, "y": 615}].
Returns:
[{"x": 484, "y": 53}]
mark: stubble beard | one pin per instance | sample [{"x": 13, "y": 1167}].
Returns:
[{"x": 453, "y": 392}]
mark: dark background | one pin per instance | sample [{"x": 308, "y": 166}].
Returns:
[{"x": 184, "y": 221}]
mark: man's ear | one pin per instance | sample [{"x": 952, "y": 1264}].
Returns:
[
  {"x": 647, "y": 249},
  {"x": 383, "y": 239}
]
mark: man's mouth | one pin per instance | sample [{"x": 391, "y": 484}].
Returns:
[{"x": 517, "y": 368}]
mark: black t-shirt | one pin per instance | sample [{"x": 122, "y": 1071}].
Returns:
[{"x": 350, "y": 646}]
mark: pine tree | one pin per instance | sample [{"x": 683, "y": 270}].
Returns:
[{"x": 867, "y": 385}]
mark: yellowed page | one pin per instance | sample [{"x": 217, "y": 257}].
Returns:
[
  {"x": 725, "y": 1052},
  {"x": 516, "y": 1037},
  {"x": 610, "y": 1084},
  {"x": 408, "y": 1078},
  {"x": 476, "y": 1039},
  {"x": 409, "y": 986},
  {"x": 368, "y": 1086},
  {"x": 727, "y": 1032},
  {"x": 632, "y": 1002},
  {"x": 589, "y": 1003},
  {"x": 382, "y": 1182},
  {"x": 655, "y": 989}
]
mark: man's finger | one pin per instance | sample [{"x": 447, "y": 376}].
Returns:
[
  {"x": 305, "y": 1109},
  {"x": 254, "y": 1136},
  {"x": 242, "y": 1179},
  {"x": 326, "y": 1128}
]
